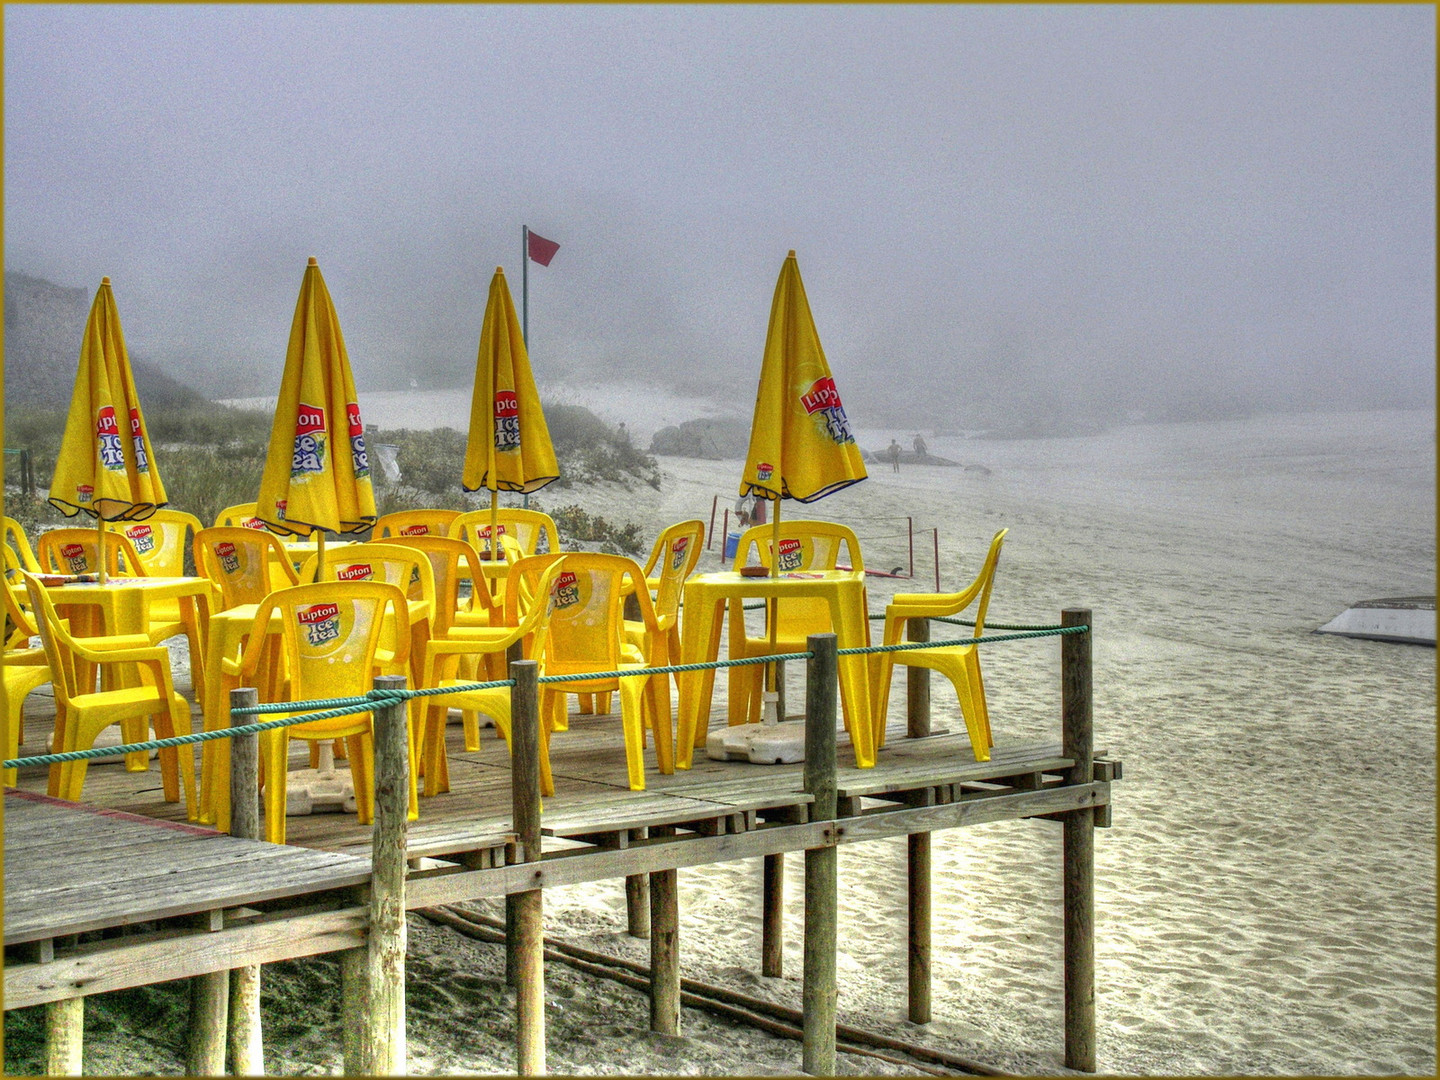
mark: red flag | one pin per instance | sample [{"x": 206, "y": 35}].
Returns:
[{"x": 542, "y": 250}]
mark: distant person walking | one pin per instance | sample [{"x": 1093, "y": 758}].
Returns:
[
  {"x": 894, "y": 452},
  {"x": 921, "y": 451}
]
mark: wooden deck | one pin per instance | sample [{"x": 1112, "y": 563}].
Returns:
[{"x": 593, "y": 811}]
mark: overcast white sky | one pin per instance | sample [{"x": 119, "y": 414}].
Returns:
[{"x": 1095, "y": 205}]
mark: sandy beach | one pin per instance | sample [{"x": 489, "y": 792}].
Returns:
[{"x": 1266, "y": 895}]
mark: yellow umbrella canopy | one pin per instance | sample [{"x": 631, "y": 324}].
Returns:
[
  {"x": 105, "y": 466},
  {"x": 801, "y": 445},
  {"x": 310, "y": 481},
  {"x": 508, "y": 448}
]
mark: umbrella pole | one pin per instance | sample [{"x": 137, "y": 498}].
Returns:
[
  {"x": 100, "y": 548},
  {"x": 772, "y": 669},
  {"x": 493, "y": 541},
  {"x": 319, "y": 554}
]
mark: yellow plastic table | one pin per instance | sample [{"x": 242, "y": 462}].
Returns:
[{"x": 706, "y": 596}]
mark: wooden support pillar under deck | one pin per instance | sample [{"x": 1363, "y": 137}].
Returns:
[
  {"x": 772, "y": 924},
  {"x": 1078, "y": 844},
  {"x": 665, "y": 946},
  {"x": 918, "y": 858},
  {"x": 209, "y": 1012},
  {"x": 526, "y": 940},
  {"x": 385, "y": 1014},
  {"x": 821, "y": 864},
  {"x": 637, "y": 898},
  {"x": 917, "y": 685},
  {"x": 246, "y": 1041},
  {"x": 65, "y": 1037}
]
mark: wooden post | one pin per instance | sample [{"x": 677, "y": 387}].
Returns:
[
  {"x": 821, "y": 891},
  {"x": 209, "y": 1010},
  {"x": 637, "y": 898},
  {"x": 515, "y": 652},
  {"x": 65, "y": 1037},
  {"x": 917, "y": 685},
  {"x": 918, "y": 859},
  {"x": 385, "y": 1014},
  {"x": 665, "y": 946},
  {"x": 1079, "y": 844},
  {"x": 354, "y": 1007},
  {"x": 247, "y": 1047},
  {"x": 526, "y": 935},
  {"x": 772, "y": 925}
]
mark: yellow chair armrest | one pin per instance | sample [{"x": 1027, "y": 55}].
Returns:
[
  {"x": 153, "y": 654},
  {"x": 112, "y": 642}
]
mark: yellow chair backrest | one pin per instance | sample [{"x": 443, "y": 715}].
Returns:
[
  {"x": 413, "y": 523},
  {"x": 18, "y": 553},
  {"x": 525, "y": 526},
  {"x": 73, "y": 551},
  {"x": 160, "y": 542},
  {"x": 245, "y": 564},
  {"x": 451, "y": 561},
  {"x": 396, "y": 564},
  {"x": 805, "y": 546},
  {"x": 331, "y": 632},
  {"x": 21, "y": 617},
  {"x": 59, "y": 644},
  {"x": 241, "y": 515},
  {"x": 943, "y": 605},
  {"x": 586, "y": 617},
  {"x": 672, "y": 560}
]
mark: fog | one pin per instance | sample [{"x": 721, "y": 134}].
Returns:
[{"x": 1087, "y": 212}]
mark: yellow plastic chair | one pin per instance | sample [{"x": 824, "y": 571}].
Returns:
[
  {"x": 160, "y": 544},
  {"x": 442, "y": 662},
  {"x": 404, "y": 567},
  {"x": 959, "y": 663},
  {"x": 525, "y": 526},
  {"x": 73, "y": 551},
  {"x": 82, "y": 713},
  {"x": 24, "y": 669},
  {"x": 672, "y": 560},
  {"x": 804, "y": 546},
  {"x": 586, "y": 634},
  {"x": 331, "y": 634},
  {"x": 413, "y": 523},
  {"x": 239, "y": 516},
  {"x": 18, "y": 553},
  {"x": 457, "y": 617},
  {"x": 244, "y": 565}
]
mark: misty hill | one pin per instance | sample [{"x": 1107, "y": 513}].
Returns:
[{"x": 44, "y": 325}]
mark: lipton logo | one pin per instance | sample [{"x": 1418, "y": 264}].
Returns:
[
  {"x": 84, "y": 493},
  {"x": 359, "y": 457},
  {"x": 822, "y": 401},
  {"x": 484, "y": 531},
  {"x": 107, "y": 440},
  {"x": 763, "y": 471},
  {"x": 229, "y": 559},
  {"x": 677, "y": 552},
  {"x": 254, "y": 523},
  {"x": 507, "y": 420},
  {"x": 137, "y": 440},
  {"x": 355, "y": 572},
  {"x": 791, "y": 556},
  {"x": 309, "y": 452},
  {"x": 321, "y": 622},
  {"x": 143, "y": 537},
  {"x": 415, "y": 530},
  {"x": 566, "y": 590},
  {"x": 74, "y": 556}
]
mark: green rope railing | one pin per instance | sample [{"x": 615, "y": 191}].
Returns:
[{"x": 380, "y": 698}]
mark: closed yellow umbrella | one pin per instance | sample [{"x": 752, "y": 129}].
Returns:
[
  {"x": 105, "y": 467},
  {"x": 508, "y": 448},
  {"x": 801, "y": 445},
  {"x": 317, "y": 472}
]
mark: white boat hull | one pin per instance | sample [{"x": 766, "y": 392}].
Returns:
[{"x": 1409, "y": 619}]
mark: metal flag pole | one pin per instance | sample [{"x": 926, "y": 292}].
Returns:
[{"x": 524, "y": 336}]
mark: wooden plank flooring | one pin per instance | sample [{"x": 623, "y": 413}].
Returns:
[{"x": 71, "y": 868}]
